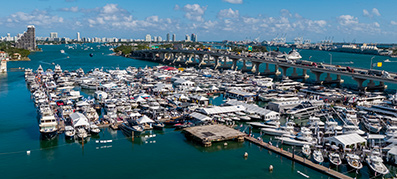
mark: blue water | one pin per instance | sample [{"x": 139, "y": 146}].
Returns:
[{"x": 168, "y": 155}]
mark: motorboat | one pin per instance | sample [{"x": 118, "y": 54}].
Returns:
[
  {"x": 372, "y": 124},
  {"x": 81, "y": 133},
  {"x": 350, "y": 129},
  {"x": 290, "y": 141},
  {"x": 69, "y": 132},
  {"x": 267, "y": 124},
  {"x": 94, "y": 129},
  {"x": 375, "y": 162},
  {"x": 306, "y": 150},
  {"x": 286, "y": 130},
  {"x": 354, "y": 161},
  {"x": 158, "y": 126},
  {"x": 334, "y": 158},
  {"x": 318, "y": 154},
  {"x": 131, "y": 129},
  {"x": 315, "y": 122},
  {"x": 48, "y": 126},
  {"x": 305, "y": 135}
]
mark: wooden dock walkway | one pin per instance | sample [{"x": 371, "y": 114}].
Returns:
[
  {"x": 299, "y": 159},
  {"x": 213, "y": 133}
]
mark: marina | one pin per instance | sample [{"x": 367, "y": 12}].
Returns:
[{"x": 117, "y": 97}]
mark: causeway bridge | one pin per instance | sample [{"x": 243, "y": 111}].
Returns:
[{"x": 221, "y": 60}]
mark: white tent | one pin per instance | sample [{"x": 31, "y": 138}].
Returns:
[
  {"x": 346, "y": 140},
  {"x": 144, "y": 119},
  {"x": 79, "y": 119},
  {"x": 199, "y": 117},
  {"x": 134, "y": 114},
  {"x": 221, "y": 110}
]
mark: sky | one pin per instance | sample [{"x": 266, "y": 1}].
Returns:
[{"x": 367, "y": 21}]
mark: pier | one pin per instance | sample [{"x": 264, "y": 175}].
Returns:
[
  {"x": 297, "y": 158},
  {"x": 213, "y": 133}
]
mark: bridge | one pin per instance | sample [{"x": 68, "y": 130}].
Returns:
[{"x": 219, "y": 60}]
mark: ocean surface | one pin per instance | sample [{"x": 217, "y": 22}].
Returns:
[{"x": 166, "y": 155}]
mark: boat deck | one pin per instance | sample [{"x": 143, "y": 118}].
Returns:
[
  {"x": 213, "y": 133},
  {"x": 297, "y": 158}
]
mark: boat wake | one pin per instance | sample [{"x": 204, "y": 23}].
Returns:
[{"x": 45, "y": 62}]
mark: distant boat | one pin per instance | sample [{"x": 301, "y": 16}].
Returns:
[
  {"x": 387, "y": 60},
  {"x": 62, "y": 51},
  {"x": 91, "y": 54}
]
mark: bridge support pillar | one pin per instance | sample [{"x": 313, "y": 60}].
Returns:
[
  {"x": 276, "y": 71},
  {"x": 339, "y": 79},
  {"x": 201, "y": 60},
  {"x": 255, "y": 68},
  {"x": 284, "y": 71},
  {"x": 267, "y": 70},
  {"x": 359, "y": 83},
  {"x": 244, "y": 68},
  {"x": 217, "y": 62},
  {"x": 234, "y": 66},
  {"x": 318, "y": 75},
  {"x": 371, "y": 84},
  {"x": 328, "y": 78}
]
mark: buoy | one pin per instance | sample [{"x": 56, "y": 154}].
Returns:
[
  {"x": 271, "y": 168},
  {"x": 154, "y": 141},
  {"x": 154, "y": 135},
  {"x": 28, "y": 152},
  {"x": 97, "y": 141},
  {"x": 225, "y": 144},
  {"x": 246, "y": 154}
]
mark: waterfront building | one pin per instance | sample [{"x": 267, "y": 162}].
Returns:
[
  {"x": 3, "y": 66},
  {"x": 53, "y": 35},
  {"x": 194, "y": 38},
  {"x": 78, "y": 37},
  {"x": 148, "y": 38},
  {"x": 168, "y": 37},
  {"x": 187, "y": 38},
  {"x": 173, "y": 37},
  {"x": 27, "y": 40}
]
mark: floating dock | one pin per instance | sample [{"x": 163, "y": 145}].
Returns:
[
  {"x": 297, "y": 158},
  {"x": 213, "y": 133}
]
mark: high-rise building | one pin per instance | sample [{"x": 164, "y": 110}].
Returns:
[
  {"x": 159, "y": 39},
  {"x": 168, "y": 37},
  {"x": 28, "y": 39},
  {"x": 194, "y": 38},
  {"x": 173, "y": 37},
  {"x": 187, "y": 38},
  {"x": 53, "y": 35},
  {"x": 148, "y": 38},
  {"x": 154, "y": 38},
  {"x": 78, "y": 38}
]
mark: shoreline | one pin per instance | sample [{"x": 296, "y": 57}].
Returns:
[{"x": 22, "y": 59}]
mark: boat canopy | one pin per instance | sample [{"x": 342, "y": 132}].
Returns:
[
  {"x": 346, "y": 140},
  {"x": 221, "y": 110},
  {"x": 144, "y": 119},
  {"x": 79, "y": 119},
  {"x": 200, "y": 117},
  {"x": 252, "y": 108}
]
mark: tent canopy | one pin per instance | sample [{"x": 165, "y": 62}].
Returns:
[
  {"x": 144, "y": 119},
  {"x": 200, "y": 117},
  {"x": 346, "y": 140},
  {"x": 79, "y": 119}
]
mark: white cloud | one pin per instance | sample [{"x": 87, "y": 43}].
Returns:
[
  {"x": 366, "y": 13},
  {"x": 375, "y": 12},
  {"x": 71, "y": 9},
  {"x": 36, "y": 17},
  {"x": 228, "y": 13},
  {"x": 234, "y": 1},
  {"x": 176, "y": 7},
  {"x": 194, "y": 12},
  {"x": 347, "y": 20},
  {"x": 393, "y": 22}
]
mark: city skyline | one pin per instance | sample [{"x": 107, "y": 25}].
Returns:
[{"x": 351, "y": 21}]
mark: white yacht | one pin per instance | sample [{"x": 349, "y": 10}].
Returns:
[
  {"x": 290, "y": 141},
  {"x": 375, "y": 162},
  {"x": 354, "y": 161},
  {"x": 305, "y": 135},
  {"x": 48, "y": 126},
  {"x": 315, "y": 122},
  {"x": 287, "y": 130},
  {"x": 69, "y": 132},
  {"x": 334, "y": 158},
  {"x": 349, "y": 129},
  {"x": 372, "y": 123},
  {"x": 306, "y": 150},
  {"x": 318, "y": 155}
]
